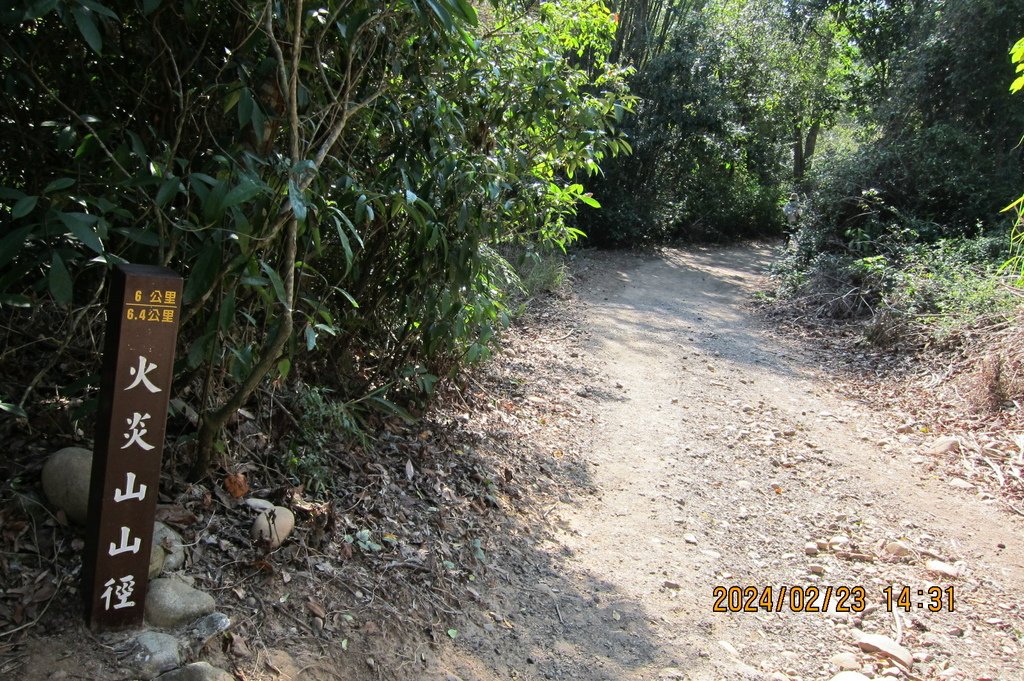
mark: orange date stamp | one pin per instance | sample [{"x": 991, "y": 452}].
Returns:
[
  {"x": 792, "y": 598},
  {"x": 813, "y": 598}
]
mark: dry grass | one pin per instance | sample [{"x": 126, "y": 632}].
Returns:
[{"x": 996, "y": 382}]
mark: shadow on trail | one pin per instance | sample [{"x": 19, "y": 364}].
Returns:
[
  {"x": 686, "y": 305},
  {"x": 552, "y": 617},
  {"x": 543, "y": 615}
]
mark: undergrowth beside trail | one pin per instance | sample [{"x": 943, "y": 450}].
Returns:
[{"x": 902, "y": 294}]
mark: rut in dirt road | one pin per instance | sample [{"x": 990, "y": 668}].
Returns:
[{"x": 720, "y": 458}]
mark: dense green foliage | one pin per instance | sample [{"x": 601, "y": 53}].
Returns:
[
  {"x": 904, "y": 216},
  {"x": 733, "y": 97},
  {"x": 1016, "y": 262},
  {"x": 882, "y": 115},
  {"x": 335, "y": 180},
  {"x": 354, "y": 190},
  {"x": 942, "y": 159}
]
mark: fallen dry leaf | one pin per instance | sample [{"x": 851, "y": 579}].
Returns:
[{"x": 236, "y": 485}]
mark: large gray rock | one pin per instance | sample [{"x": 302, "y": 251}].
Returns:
[
  {"x": 273, "y": 526},
  {"x": 155, "y": 654},
  {"x": 168, "y": 552},
  {"x": 171, "y": 603},
  {"x": 197, "y": 671},
  {"x": 206, "y": 628},
  {"x": 66, "y": 482}
]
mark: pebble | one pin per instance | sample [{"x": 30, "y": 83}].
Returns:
[
  {"x": 729, "y": 648},
  {"x": 171, "y": 603},
  {"x": 157, "y": 653},
  {"x": 960, "y": 483},
  {"x": 850, "y": 676},
  {"x": 197, "y": 671},
  {"x": 690, "y": 538},
  {"x": 816, "y": 569},
  {"x": 845, "y": 661},
  {"x": 273, "y": 526},
  {"x": 875, "y": 643},
  {"x": 943, "y": 445},
  {"x": 838, "y": 540},
  {"x": 942, "y": 568},
  {"x": 811, "y": 548},
  {"x": 897, "y": 548},
  {"x": 65, "y": 481}
]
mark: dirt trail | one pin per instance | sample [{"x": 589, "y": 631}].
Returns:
[{"x": 717, "y": 452}]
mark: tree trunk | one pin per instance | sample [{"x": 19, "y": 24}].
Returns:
[
  {"x": 803, "y": 150},
  {"x": 213, "y": 422},
  {"x": 799, "y": 166},
  {"x": 811, "y": 143}
]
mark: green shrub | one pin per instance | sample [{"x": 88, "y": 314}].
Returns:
[{"x": 911, "y": 292}]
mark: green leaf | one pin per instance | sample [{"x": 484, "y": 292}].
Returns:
[
  {"x": 258, "y": 120},
  {"x": 1017, "y": 51},
  {"x": 389, "y": 406},
  {"x": 1017, "y": 85},
  {"x": 168, "y": 188},
  {"x": 15, "y": 300},
  {"x": 466, "y": 11},
  {"x": 139, "y": 236},
  {"x": 59, "y": 184},
  {"x": 276, "y": 282},
  {"x": 80, "y": 224},
  {"x": 199, "y": 348},
  {"x": 11, "y": 244},
  {"x": 139, "y": 149},
  {"x": 297, "y": 200},
  {"x": 24, "y": 206},
  {"x": 59, "y": 280},
  {"x": 589, "y": 200},
  {"x": 245, "y": 191},
  {"x": 283, "y": 367},
  {"x": 13, "y": 409},
  {"x": 442, "y": 13},
  {"x": 87, "y": 27},
  {"x": 203, "y": 273},
  {"x": 99, "y": 9},
  {"x": 149, "y": 6},
  {"x": 226, "y": 314},
  {"x": 310, "y": 337},
  {"x": 348, "y": 296},
  {"x": 245, "y": 105},
  {"x": 231, "y": 100},
  {"x": 40, "y": 9},
  {"x": 453, "y": 634}
]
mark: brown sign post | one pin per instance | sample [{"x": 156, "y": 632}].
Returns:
[{"x": 142, "y": 327}]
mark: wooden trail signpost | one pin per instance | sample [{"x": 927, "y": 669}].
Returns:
[{"x": 135, "y": 384}]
